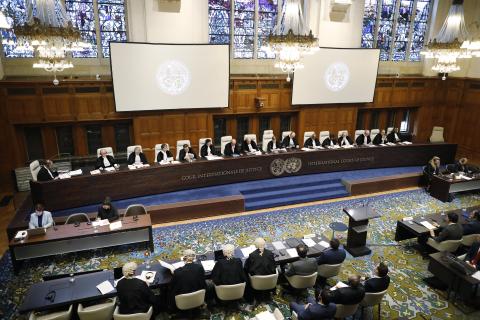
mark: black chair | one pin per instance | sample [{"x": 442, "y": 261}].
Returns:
[
  {"x": 451, "y": 168},
  {"x": 77, "y": 218}
]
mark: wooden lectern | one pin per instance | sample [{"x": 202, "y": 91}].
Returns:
[{"x": 357, "y": 229}]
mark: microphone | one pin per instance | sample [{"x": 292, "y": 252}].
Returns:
[{"x": 54, "y": 225}]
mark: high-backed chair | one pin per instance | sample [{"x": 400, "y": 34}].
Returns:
[
  {"x": 224, "y": 141},
  {"x": 134, "y": 316},
  {"x": 266, "y": 139},
  {"x": 101, "y": 311},
  {"x": 191, "y": 300},
  {"x": 77, "y": 218},
  {"x": 345, "y": 310},
  {"x": 230, "y": 292},
  {"x": 131, "y": 149},
  {"x": 252, "y": 137},
  {"x": 389, "y": 129},
  {"x": 437, "y": 135},
  {"x": 329, "y": 270},
  {"x": 306, "y": 135},
  {"x": 374, "y": 132},
  {"x": 447, "y": 245},
  {"x": 135, "y": 210},
  {"x": 59, "y": 315},
  {"x": 267, "y": 132},
  {"x": 372, "y": 299},
  {"x": 302, "y": 282},
  {"x": 358, "y": 133},
  {"x": 284, "y": 134},
  {"x": 324, "y": 135},
  {"x": 468, "y": 240},
  {"x": 342, "y": 131},
  {"x": 201, "y": 142},
  {"x": 108, "y": 149},
  {"x": 34, "y": 168},
  {"x": 180, "y": 144}
]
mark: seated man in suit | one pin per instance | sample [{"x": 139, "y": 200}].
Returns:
[
  {"x": 134, "y": 295},
  {"x": 473, "y": 226},
  {"x": 473, "y": 255},
  {"x": 453, "y": 230},
  {"x": 189, "y": 278},
  {"x": 231, "y": 149},
  {"x": 333, "y": 255},
  {"x": 304, "y": 266},
  {"x": 393, "y": 136},
  {"x": 249, "y": 146},
  {"x": 344, "y": 140},
  {"x": 363, "y": 138},
  {"x": 229, "y": 270},
  {"x": 380, "y": 281},
  {"x": 164, "y": 154},
  {"x": 315, "y": 309},
  {"x": 40, "y": 218},
  {"x": 312, "y": 142},
  {"x": 137, "y": 157},
  {"x": 353, "y": 294},
  {"x": 105, "y": 160},
  {"x": 208, "y": 149},
  {"x": 107, "y": 210},
  {"x": 290, "y": 141},
  {"x": 46, "y": 172},
  {"x": 187, "y": 154},
  {"x": 380, "y": 138},
  {"x": 330, "y": 142},
  {"x": 273, "y": 145},
  {"x": 261, "y": 261}
]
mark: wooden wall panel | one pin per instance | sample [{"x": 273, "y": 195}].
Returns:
[
  {"x": 24, "y": 109},
  {"x": 88, "y": 107},
  {"x": 57, "y": 108}
]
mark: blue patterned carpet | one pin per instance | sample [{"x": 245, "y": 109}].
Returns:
[{"x": 408, "y": 296}]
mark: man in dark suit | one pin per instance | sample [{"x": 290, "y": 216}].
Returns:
[
  {"x": 46, "y": 172},
  {"x": 344, "y": 140},
  {"x": 330, "y": 142},
  {"x": 352, "y": 294},
  {"x": 189, "y": 278},
  {"x": 393, "y": 136},
  {"x": 473, "y": 254},
  {"x": 313, "y": 310},
  {"x": 453, "y": 230},
  {"x": 461, "y": 165},
  {"x": 273, "y": 145},
  {"x": 208, "y": 149},
  {"x": 261, "y": 261},
  {"x": 290, "y": 141},
  {"x": 137, "y": 157},
  {"x": 312, "y": 142},
  {"x": 228, "y": 270},
  {"x": 363, "y": 138},
  {"x": 380, "y": 281},
  {"x": 304, "y": 266},
  {"x": 105, "y": 160},
  {"x": 107, "y": 210},
  {"x": 133, "y": 294},
  {"x": 249, "y": 146},
  {"x": 164, "y": 153},
  {"x": 187, "y": 154},
  {"x": 333, "y": 255},
  {"x": 231, "y": 149},
  {"x": 380, "y": 138},
  {"x": 473, "y": 226}
]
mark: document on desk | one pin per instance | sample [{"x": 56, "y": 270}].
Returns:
[
  {"x": 476, "y": 275},
  {"x": 427, "y": 225},
  {"x": 74, "y": 173},
  {"x": 308, "y": 149},
  {"x": 110, "y": 169},
  {"x": 105, "y": 287},
  {"x": 466, "y": 178},
  {"x": 339, "y": 285},
  {"x": 100, "y": 223},
  {"x": 246, "y": 251},
  {"x": 309, "y": 242},
  {"x": 115, "y": 225},
  {"x": 292, "y": 252},
  {"x": 172, "y": 267},
  {"x": 324, "y": 244},
  {"x": 278, "y": 245},
  {"x": 94, "y": 172},
  {"x": 212, "y": 157},
  {"x": 208, "y": 265},
  {"x": 147, "y": 276}
]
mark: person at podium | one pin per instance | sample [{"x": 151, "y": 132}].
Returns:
[
  {"x": 345, "y": 140},
  {"x": 363, "y": 138},
  {"x": 330, "y": 141},
  {"x": 273, "y": 145},
  {"x": 187, "y": 154},
  {"x": 249, "y": 146},
  {"x": 105, "y": 160},
  {"x": 380, "y": 138},
  {"x": 393, "y": 136},
  {"x": 46, "y": 172},
  {"x": 290, "y": 141},
  {"x": 231, "y": 149},
  {"x": 137, "y": 157},
  {"x": 164, "y": 153},
  {"x": 312, "y": 142},
  {"x": 208, "y": 149},
  {"x": 107, "y": 210},
  {"x": 40, "y": 218}
]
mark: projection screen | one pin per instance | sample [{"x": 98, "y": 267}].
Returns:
[
  {"x": 169, "y": 76},
  {"x": 334, "y": 75}
]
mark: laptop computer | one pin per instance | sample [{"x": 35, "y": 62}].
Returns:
[
  {"x": 36, "y": 232},
  {"x": 117, "y": 273}
]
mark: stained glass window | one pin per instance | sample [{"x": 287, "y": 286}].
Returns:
[
  {"x": 267, "y": 19},
  {"x": 219, "y": 21},
  {"x": 243, "y": 28},
  {"x": 82, "y": 14},
  {"x": 18, "y": 9},
  {"x": 396, "y": 27},
  {"x": 111, "y": 16}
]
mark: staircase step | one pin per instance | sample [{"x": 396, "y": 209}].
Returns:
[
  {"x": 289, "y": 190},
  {"x": 280, "y": 185}
]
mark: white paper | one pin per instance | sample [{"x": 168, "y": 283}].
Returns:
[
  {"x": 407, "y": 142},
  {"x": 98, "y": 223},
  {"x": 278, "y": 245},
  {"x": 213, "y": 157},
  {"x": 208, "y": 265},
  {"x": 167, "y": 265},
  {"x": 163, "y": 162},
  {"x": 476, "y": 275},
  {"x": 318, "y": 147},
  {"x": 382, "y": 144},
  {"x": 62, "y": 176},
  {"x": 292, "y": 252},
  {"x": 309, "y": 242},
  {"x": 170, "y": 159},
  {"x": 110, "y": 169},
  {"x": 427, "y": 225},
  {"x": 145, "y": 165},
  {"x": 143, "y": 276},
  {"x": 339, "y": 285},
  {"x": 178, "y": 264},
  {"x": 307, "y": 149},
  {"x": 370, "y": 145},
  {"x": 94, "y": 172},
  {"x": 265, "y": 315},
  {"x": 176, "y": 162},
  {"x": 407, "y": 218},
  {"x": 309, "y": 236},
  {"x": 105, "y": 287},
  {"x": 21, "y": 234},
  {"x": 75, "y": 172},
  {"x": 115, "y": 225},
  {"x": 347, "y": 146},
  {"x": 324, "y": 244},
  {"x": 246, "y": 251},
  {"x": 466, "y": 178},
  {"x": 132, "y": 167}
]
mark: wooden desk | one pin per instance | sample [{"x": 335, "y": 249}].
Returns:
[
  {"x": 68, "y": 238},
  {"x": 442, "y": 186},
  {"x": 123, "y": 184}
]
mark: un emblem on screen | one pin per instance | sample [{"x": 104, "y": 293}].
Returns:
[
  {"x": 173, "y": 77},
  {"x": 290, "y": 165},
  {"x": 336, "y": 76}
]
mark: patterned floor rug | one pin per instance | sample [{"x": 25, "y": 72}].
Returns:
[{"x": 408, "y": 296}]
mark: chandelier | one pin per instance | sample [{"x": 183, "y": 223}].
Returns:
[
  {"x": 451, "y": 42},
  {"x": 290, "y": 39}
]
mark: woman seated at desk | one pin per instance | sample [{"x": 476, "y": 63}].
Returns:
[{"x": 40, "y": 218}]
